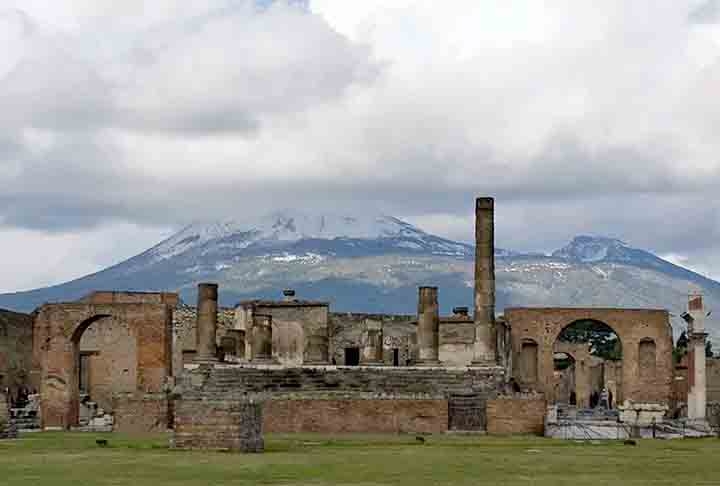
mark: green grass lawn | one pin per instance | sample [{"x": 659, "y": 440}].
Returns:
[{"x": 75, "y": 459}]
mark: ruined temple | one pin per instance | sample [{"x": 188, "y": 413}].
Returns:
[{"x": 220, "y": 376}]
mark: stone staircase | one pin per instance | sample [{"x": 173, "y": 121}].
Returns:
[{"x": 432, "y": 382}]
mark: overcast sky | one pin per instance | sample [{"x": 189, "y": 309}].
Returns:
[{"x": 121, "y": 121}]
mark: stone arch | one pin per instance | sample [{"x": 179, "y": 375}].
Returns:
[
  {"x": 108, "y": 360},
  {"x": 57, "y": 333},
  {"x": 544, "y": 325}
]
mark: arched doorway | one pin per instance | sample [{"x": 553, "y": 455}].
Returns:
[
  {"x": 593, "y": 363},
  {"x": 635, "y": 346},
  {"x": 58, "y": 332},
  {"x": 107, "y": 364}
]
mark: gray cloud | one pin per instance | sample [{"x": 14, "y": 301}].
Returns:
[
  {"x": 707, "y": 12},
  {"x": 225, "y": 109}
]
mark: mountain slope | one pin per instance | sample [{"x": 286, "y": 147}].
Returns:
[{"x": 375, "y": 264}]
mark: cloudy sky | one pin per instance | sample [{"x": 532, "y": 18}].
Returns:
[{"x": 121, "y": 121}]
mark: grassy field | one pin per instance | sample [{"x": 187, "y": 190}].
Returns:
[{"x": 75, "y": 459}]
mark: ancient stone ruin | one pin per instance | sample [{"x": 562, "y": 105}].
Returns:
[{"x": 221, "y": 377}]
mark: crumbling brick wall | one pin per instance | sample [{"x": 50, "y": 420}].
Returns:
[
  {"x": 516, "y": 414},
  {"x": 356, "y": 415},
  {"x": 141, "y": 413},
  {"x": 226, "y": 423},
  {"x": 15, "y": 351}
]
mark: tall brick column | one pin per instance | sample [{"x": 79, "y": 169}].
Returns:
[
  {"x": 697, "y": 389},
  {"x": 428, "y": 326},
  {"x": 485, "y": 347},
  {"x": 206, "y": 328},
  {"x": 262, "y": 339}
]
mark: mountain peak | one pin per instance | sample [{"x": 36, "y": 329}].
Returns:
[{"x": 591, "y": 249}]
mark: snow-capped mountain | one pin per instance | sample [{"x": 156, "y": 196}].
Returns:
[
  {"x": 282, "y": 229},
  {"x": 375, "y": 264}
]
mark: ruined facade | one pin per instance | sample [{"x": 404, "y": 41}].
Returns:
[
  {"x": 293, "y": 365},
  {"x": 645, "y": 335},
  {"x": 145, "y": 323}
]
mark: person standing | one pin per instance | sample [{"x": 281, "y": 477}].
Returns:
[{"x": 604, "y": 397}]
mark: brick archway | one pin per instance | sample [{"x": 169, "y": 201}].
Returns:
[
  {"x": 544, "y": 326},
  {"x": 57, "y": 331}
]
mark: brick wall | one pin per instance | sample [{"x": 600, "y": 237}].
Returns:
[
  {"x": 712, "y": 376},
  {"x": 141, "y": 413},
  {"x": 332, "y": 399},
  {"x": 356, "y": 416},
  {"x": 15, "y": 351},
  {"x": 516, "y": 415},
  {"x": 228, "y": 424}
]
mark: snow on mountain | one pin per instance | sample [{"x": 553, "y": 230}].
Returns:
[
  {"x": 591, "y": 249},
  {"x": 281, "y": 229}
]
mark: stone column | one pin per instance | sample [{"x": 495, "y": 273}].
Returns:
[
  {"x": 697, "y": 387},
  {"x": 485, "y": 340},
  {"x": 372, "y": 352},
  {"x": 262, "y": 339},
  {"x": 428, "y": 326},
  {"x": 206, "y": 327}
]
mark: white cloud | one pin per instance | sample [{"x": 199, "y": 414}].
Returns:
[{"x": 604, "y": 115}]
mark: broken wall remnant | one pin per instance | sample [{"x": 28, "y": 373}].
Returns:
[
  {"x": 221, "y": 421},
  {"x": 15, "y": 352},
  {"x": 58, "y": 329}
]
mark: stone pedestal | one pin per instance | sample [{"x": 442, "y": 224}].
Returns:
[
  {"x": 206, "y": 328},
  {"x": 642, "y": 414},
  {"x": 428, "y": 327}
]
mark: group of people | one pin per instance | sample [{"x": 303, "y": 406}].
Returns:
[
  {"x": 604, "y": 399},
  {"x": 19, "y": 399}
]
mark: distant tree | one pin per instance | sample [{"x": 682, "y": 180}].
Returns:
[
  {"x": 603, "y": 341},
  {"x": 681, "y": 347},
  {"x": 708, "y": 350},
  {"x": 682, "y": 341}
]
